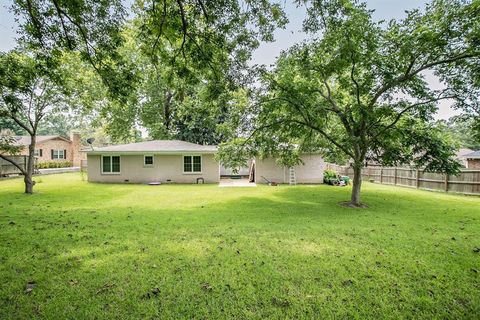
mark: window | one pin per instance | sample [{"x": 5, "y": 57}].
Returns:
[
  {"x": 148, "y": 161},
  {"x": 192, "y": 164},
  {"x": 110, "y": 164},
  {"x": 38, "y": 153},
  {"x": 59, "y": 154}
]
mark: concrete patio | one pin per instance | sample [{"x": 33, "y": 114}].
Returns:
[{"x": 229, "y": 182}]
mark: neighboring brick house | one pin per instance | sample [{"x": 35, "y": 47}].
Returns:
[
  {"x": 460, "y": 156},
  {"x": 473, "y": 160},
  {"x": 55, "y": 148}
]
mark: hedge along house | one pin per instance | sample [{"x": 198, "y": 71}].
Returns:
[
  {"x": 54, "y": 148},
  {"x": 166, "y": 161}
]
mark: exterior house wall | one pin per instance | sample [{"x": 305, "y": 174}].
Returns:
[
  {"x": 165, "y": 167},
  {"x": 473, "y": 164},
  {"x": 309, "y": 172}
]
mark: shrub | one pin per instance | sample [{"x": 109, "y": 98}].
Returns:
[
  {"x": 54, "y": 164},
  {"x": 329, "y": 176},
  {"x": 330, "y": 173}
]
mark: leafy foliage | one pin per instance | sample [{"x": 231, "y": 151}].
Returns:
[
  {"x": 171, "y": 70},
  {"x": 89, "y": 27}
]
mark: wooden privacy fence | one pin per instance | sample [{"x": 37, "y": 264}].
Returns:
[
  {"x": 6, "y": 168},
  {"x": 83, "y": 165},
  {"x": 466, "y": 182}
]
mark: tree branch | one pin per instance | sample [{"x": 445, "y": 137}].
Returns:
[
  {"x": 405, "y": 110},
  {"x": 352, "y": 76},
  {"x": 83, "y": 34},
  {"x": 204, "y": 10},
  {"x": 69, "y": 41},
  {"x": 337, "y": 110},
  {"x": 323, "y": 133},
  {"x": 14, "y": 163},
  {"x": 160, "y": 32},
  {"x": 184, "y": 27},
  {"x": 409, "y": 73},
  {"x": 20, "y": 123}
]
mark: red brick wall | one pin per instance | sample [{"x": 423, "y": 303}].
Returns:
[{"x": 473, "y": 164}]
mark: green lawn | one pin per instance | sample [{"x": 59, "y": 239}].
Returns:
[{"x": 185, "y": 251}]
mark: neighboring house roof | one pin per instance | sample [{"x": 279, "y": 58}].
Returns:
[
  {"x": 156, "y": 146},
  {"x": 462, "y": 152},
  {"x": 473, "y": 155},
  {"x": 25, "y": 140}
]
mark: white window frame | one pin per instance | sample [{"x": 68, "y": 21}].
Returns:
[
  {"x": 191, "y": 156},
  {"x": 62, "y": 151},
  {"x": 111, "y": 173},
  {"x": 36, "y": 153},
  {"x": 148, "y": 165}
]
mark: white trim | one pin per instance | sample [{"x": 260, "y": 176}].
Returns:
[
  {"x": 110, "y": 173},
  {"x": 149, "y": 165},
  {"x": 58, "y": 154},
  {"x": 191, "y": 156}
]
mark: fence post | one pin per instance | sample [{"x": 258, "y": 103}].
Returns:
[
  {"x": 446, "y": 182},
  {"x": 395, "y": 176},
  {"x": 418, "y": 180},
  {"x": 381, "y": 175}
]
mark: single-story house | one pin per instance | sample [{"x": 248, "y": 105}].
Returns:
[
  {"x": 54, "y": 148},
  {"x": 175, "y": 161},
  {"x": 473, "y": 160},
  {"x": 163, "y": 161}
]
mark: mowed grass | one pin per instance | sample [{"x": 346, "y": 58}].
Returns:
[{"x": 202, "y": 252}]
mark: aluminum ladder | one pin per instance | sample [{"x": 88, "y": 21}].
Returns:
[{"x": 292, "y": 178}]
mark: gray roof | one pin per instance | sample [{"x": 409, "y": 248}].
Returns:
[
  {"x": 157, "y": 146},
  {"x": 25, "y": 140},
  {"x": 473, "y": 155},
  {"x": 462, "y": 152}
]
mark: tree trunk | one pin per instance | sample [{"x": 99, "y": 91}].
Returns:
[
  {"x": 167, "y": 111},
  {"x": 28, "y": 178},
  {"x": 357, "y": 184}
]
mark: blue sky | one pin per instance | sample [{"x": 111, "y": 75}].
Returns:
[{"x": 266, "y": 54}]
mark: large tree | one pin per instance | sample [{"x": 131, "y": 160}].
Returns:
[
  {"x": 358, "y": 89},
  {"x": 27, "y": 96}
]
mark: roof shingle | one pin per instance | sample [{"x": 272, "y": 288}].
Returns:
[
  {"x": 25, "y": 140},
  {"x": 473, "y": 155},
  {"x": 157, "y": 146}
]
